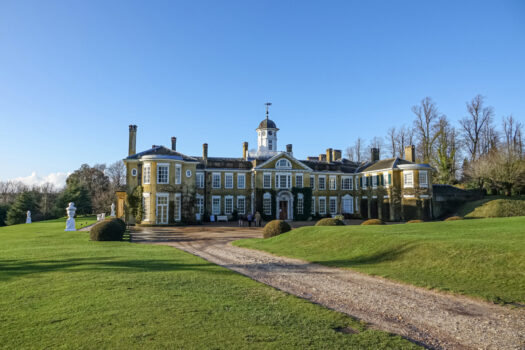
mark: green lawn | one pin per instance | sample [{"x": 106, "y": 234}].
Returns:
[
  {"x": 471, "y": 208},
  {"x": 59, "y": 290},
  {"x": 481, "y": 257}
]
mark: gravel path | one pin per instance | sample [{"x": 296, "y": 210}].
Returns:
[{"x": 435, "y": 320}]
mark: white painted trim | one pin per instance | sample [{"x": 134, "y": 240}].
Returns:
[
  {"x": 265, "y": 174},
  {"x": 165, "y": 195},
  {"x": 178, "y": 201},
  {"x": 409, "y": 196},
  {"x": 220, "y": 180},
  {"x": 283, "y": 154},
  {"x": 167, "y": 165},
  {"x": 144, "y": 166},
  {"x": 243, "y": 176},
  {"x": 408, "y": 172},
  {"x": 424, "y": 196},
  {"x": 233, "y": 207},
  {"x": 226, "y": 182},
  {"x": 421, "y": 172},
  {"x": 178, "y": 179},
  {"x": 219, "y": 211}
]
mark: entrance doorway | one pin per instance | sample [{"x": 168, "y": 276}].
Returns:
[
  {"x": 283, "y": 210},
  {"x": 162, "y": 208}
]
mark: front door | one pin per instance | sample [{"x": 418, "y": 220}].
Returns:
[
  {"x": 283, "y": 210},
  {"x": 162, "y": 208}
]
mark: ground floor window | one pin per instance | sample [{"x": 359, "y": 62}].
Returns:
[
  {"x": 333, "y": 205},
  {"x": 300, "y": 204},
  {"x": 216, "y": 205},
  {"x": 322, "y": 205},
  {"x": 241, "y": 205},
  {"x": 313, "y": 206},
  {"x": 267, "y": 204},
  {"x": 228, "y": 205},
  {"x": 348, "y": 205},
  {"x": 145, "y": 206},
  {"x": 199, "y": 203},
  {"x": 176, "y": 207}
]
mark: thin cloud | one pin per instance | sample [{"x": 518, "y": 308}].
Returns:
[{"x": 58, "y": 179}]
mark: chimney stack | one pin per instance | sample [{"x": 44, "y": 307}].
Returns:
[
  {"x": 374, "y": 154},
  {"x": 173, "y": 143},
  {"x": 322, "y": 157},
  {"x": 338, "y": 155},
  {"x": 132, "y": 149},
  {"x": 329, "y": 155},
  {"x": 205, "y": 152},
  {"x": 289, "y": 149},
  {"x": 410, "y": 153},
  {"x": 245, "y": 150}
]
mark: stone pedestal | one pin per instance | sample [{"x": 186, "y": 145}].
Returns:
[
  {"x": 70, "y": 223},
  {"x": 28, "y": 219}
]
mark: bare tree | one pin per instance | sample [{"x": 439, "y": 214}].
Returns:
[
  {"x": 392, "y": 141},
  {"x": 404, "y": 137},
  {"x": 117, "y": 174},
  {"x": 512, "y": 130},
  {"x": 479, "y": 118},
  {"x": 355, "y": 152},
  {"x": 425, "y": 127}
]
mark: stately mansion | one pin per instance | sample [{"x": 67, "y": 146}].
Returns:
[{"x": 176, "y": 188}]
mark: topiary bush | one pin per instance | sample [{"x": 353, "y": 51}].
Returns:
[
  {"x": 454, "y": 218},
  {"x": 275, "y": 228},
  {"x": 330, "y": 222},
  {"x": 373, "y": 222},
  {"x": 414, "y": 221},
  {"x": 108, "y": 230},
  {"x": 121, "y": 223}
]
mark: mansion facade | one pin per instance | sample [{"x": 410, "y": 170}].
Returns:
[{"x": 165, "y": 186}]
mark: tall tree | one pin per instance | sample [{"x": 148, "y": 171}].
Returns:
[
  {"x": 95, "y": 182},
  {"x": 117, "y": 174},
  {"x": 446, "y": 152},
  {"x": 425, "y": 127},
  {"x": 392, "y": 141},
  {"x": 356, "y": 152},
  {"x": 479, "y": 118},
  {"x": 24, "y": 202}
]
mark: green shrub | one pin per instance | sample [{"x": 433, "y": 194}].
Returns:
[
  {"x": 330, "y": 222},
  {"x": 373, "y": 222},
  {"x": 108, "y": 230},
  {"x": 275, "y": 228},
  {"x": 454, "y": 218},
  {"x": 414, "y": 221},
  {"x": 121, "y": 223},
  {"x": 499, "y": 208}
]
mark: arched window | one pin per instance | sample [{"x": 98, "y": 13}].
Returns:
[
  {"x": 283, "y": 164},
  {"x": 348, "y": 204}
]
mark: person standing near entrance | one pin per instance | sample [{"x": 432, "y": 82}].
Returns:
[
  {"x": 258, "y": 219},
  {"x": 250, "y": 218}
]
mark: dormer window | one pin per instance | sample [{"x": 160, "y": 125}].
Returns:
[{"x": 283, "y": 164}]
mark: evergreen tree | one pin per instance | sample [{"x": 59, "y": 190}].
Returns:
[
  {"x": 77, "y": 194},
  {"x": 18, "y": 212}
]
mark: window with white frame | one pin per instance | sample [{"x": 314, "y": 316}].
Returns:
[
  {"x": 313, "y": 206},
  {"x": 216, "y": 180},
  {"x": 270, "y": 145},
  {"x": 267, "y": 204},
  {"x": 177, "y": 207},
  {"x": 387, "y": 179},
  {"x": 216, "y": 205},
  {"x": 312, "y": 182},
  {"x": 178, "y": 174},
  {"x": 267, "y": 180},
  {"x": 199, "y": 180},
  {"x": 228, "y": 205},
  {"x": 199, "y": 204},
  {"x": 348, "y": 204},
  {"x": 346, "y": 183},
  {"x": 357, "y": 182},
  {"x": 163, "y": 172},
  {"x": 241, "y": 181},
  {"x": 300, "y": 204},
  {"x": 228, "y": 180},
  {"x": 322, "y": 182},
  {"x": 322, "y": 205},
  {"x": 241, "y": 205},
  {"x": 283, "y": 164},
  {"x": 146, "y": 205},
  {"x": 146, "y": 174},
  {"x": 283, "y": 180},
  {"x": 374, "y": 181},
  {"x": 364, "y": 179},
  {"x": 423, "y": 178},
  {"x": 408, "y": 179},
  {"x": 333, "y": 183},
  {"x": 333, "y": 205},
  {"x": 299, "y": 180}
]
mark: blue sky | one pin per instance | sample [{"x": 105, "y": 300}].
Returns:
[{"x": 75, "y": 74}]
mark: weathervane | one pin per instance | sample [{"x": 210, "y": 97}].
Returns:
[{"x": 267, "y": 104}]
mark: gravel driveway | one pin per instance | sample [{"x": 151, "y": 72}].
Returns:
[{"x": 433, "y": 319}]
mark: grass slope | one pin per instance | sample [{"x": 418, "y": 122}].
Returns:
[
  {"x": 59, "y": 290},
  {"x": 483, "y": 257},
  {"x": 493, "y": 206}
]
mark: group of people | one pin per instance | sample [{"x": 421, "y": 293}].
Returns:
[{"x": 246, "y": 220}]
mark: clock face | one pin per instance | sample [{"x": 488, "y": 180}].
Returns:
[{"x": 188, "y": 173}]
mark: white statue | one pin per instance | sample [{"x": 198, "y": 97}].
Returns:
[
  {"x": 28, "y": 219},
  {"x": 70, "y": 223},
  {"x": 112, "y": 210}
]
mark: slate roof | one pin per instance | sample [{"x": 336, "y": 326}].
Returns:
[
  {"x": 163, "y": 152},
  {"x": 344, "y": 165},
  {"x": 267, "y": 124},
  {"x": 226, "y": 163}
]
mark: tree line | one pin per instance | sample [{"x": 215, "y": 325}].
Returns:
[
  {"x": 477, "y": 153},
  {"x": 91, "y": 188}
]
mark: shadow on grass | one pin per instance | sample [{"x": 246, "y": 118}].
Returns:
[
  {"x": 390, "y": 254},
  {"x": 14, "y": 268}
]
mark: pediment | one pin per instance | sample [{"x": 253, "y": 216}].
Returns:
[{"x": 283, "y": 161}]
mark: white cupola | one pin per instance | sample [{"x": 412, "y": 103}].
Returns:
[{"x": 267, "y": 135}]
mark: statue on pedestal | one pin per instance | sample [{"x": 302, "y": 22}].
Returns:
[
  {"x": 28, "y": 219},
  {"x": 112, "y": 210},
  {"x": 70, "y": 223}
]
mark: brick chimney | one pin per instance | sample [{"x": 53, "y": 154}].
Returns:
[
  {"x": 173, "y": 143},
  {"x": 289, "y": 149},
  {"x": 205, "y": 152},
  {"x": 410, "y": 153},
  {"x": 329, "y": 155},
  {"x": 374, "y": 154},
  {"x": 322, "y": 157},
  {"x": 132, "y": 149},
  {"x": 338, "y": 155},
  {"x": 245, "y": 150}
]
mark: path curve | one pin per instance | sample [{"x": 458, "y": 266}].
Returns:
[{"x": 433, "y": 319}]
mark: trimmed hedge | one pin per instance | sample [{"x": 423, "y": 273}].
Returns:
[
  {"x": 454, "y": 218},
  {"x": 121, "y": 223},
  {"x": 275, "y": 228},
  {"x": 108, "y": 230},
  {"x": 373, "y": 222},
  {"x": 330, "y": 222},
  {"x": 414, "y": 221}
]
